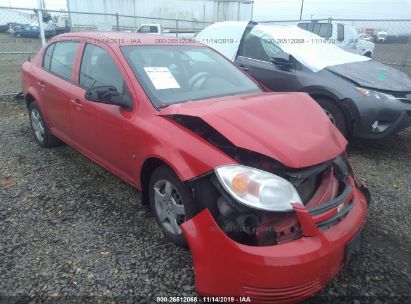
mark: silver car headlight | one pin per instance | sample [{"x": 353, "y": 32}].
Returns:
[
  {"x": 377, "y": 95},
  {"x": 257, "y": 189}
]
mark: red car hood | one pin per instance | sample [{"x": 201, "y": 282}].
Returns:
[{"x": 288, "y": 127}]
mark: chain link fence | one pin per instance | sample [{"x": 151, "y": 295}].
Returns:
[
  {"x": 20, "y": 35},
  {"x": 395, "y": 49}
]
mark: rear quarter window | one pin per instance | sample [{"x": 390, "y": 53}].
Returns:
[
  {"x": 302, "y": 25},
  {"x": 47, "y": 57}
]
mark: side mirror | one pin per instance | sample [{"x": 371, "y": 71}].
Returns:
[
  {"x": 282, "y": 60},
  {"x": 109, "y": 95}
]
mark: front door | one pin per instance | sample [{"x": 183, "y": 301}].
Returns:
[
  {"x": 254, "y": 56},
  {"x": 104, "y": 132}
]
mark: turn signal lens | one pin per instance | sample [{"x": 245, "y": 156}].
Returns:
[
  {"x": 363, "y": 91},
  {"x": 240, "y": 183}
]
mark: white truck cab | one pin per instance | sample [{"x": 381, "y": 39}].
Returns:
[
  {"x": 342, "y": 35},
  {"x": 382, "y": 36},
  {"x": 149, "y": 28}
]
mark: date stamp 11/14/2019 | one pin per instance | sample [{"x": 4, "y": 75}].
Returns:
[{"x": 194, "y": 299}]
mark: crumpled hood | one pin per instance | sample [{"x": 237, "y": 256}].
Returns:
[
  {"x": 375, "y": 75},
  {"x": 288, "y": 127}
]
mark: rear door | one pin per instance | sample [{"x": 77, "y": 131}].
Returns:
[
  {"x": 104, "y": 132},
  {"x": 53, "y": 83},
  {"x": 254, "y": 57}
]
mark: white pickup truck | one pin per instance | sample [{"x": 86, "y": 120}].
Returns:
[
  {"x": 152, "y": 28},
  {"x": 382, "y": 36},
  {"x": 342, "y": 35}
]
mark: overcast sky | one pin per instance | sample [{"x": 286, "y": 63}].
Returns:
[
  {"x": 290, "y": 9},
  {"x": 351, "y": 9}
]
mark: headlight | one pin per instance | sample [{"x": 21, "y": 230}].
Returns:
[
  {"x": 258, "y": 189},
  {"x": 377, "y": 95}
]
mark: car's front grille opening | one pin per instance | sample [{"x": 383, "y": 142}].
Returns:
[{"x": 321, "y": 187}]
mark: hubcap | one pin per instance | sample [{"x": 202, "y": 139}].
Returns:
[
  {"x": 169, "y": 206},
  {"x": 37, "y": 124}
]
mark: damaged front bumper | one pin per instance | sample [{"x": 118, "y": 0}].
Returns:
[{"x": 285, "y": 273}]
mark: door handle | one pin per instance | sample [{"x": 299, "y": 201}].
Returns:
[
  {"x": 244, "y": 67},
  {"x": 41, "y": 84},
  {"x": 77, "y": 103}
]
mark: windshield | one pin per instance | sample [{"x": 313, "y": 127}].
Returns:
[{"x": 175, "y": 74}]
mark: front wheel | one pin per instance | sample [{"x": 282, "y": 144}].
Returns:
[
  {"x": 171, "y": 203},
  {"x": 334, "y": 113}
]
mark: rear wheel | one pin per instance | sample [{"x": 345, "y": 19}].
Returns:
[
  {"x": 40, "y": 130},
  {"x": 171, "y": 203},
  {"x": 334, "y": 113}
]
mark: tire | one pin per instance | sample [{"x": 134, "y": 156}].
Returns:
[
  {"x": 40, "y": 130},
  {"x": 170, "y": 200},
  {"x": 335, "y": 114}
]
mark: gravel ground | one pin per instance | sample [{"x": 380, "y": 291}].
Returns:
[{"x": 70, "y": 231}]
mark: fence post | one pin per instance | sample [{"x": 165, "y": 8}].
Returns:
[
  {"x": 41, "y": 27},
  {"x": 176, "y": 27},
  {"x": 407, "y": 52},
  {"x": 69, "y": 14},
  {"x": 117, "y": 23}
]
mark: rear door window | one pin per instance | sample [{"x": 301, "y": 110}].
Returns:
[
  {"x": 310, "y": 27},
  {"x": 316, "y": 28},
  {"x": 62, "y": 59},
  {"x": 325, "y": 30}
]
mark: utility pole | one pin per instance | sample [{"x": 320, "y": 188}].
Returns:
[
  {"x": 69, "y": 14},
  {"x": 302, "y": 7},
  {"x": 204, "y": 11}
]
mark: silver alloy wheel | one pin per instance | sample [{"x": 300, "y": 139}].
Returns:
[
  {"x": 37, "y": 124},
  {"x": 169, "y": 206},
  {"x": 330, "y": 116}
]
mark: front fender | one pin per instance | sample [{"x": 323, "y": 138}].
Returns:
[{"x": 186, "y": 153}]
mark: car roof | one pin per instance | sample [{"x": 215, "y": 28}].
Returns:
[{"x": 122, "y": 38}]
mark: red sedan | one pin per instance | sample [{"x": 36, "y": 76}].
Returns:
[{"x": 257, "y": 183}]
